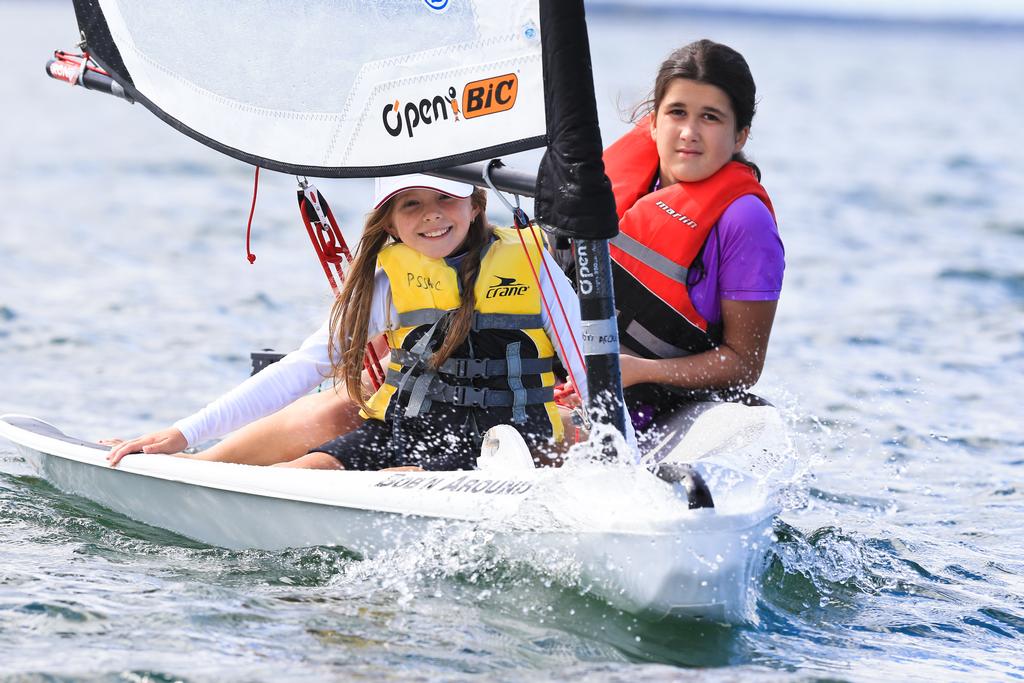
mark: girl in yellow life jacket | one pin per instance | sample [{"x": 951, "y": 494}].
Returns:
[{"x": 472, "y": 346}]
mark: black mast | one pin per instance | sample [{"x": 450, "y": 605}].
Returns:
[{"x": 575, "y": 197}]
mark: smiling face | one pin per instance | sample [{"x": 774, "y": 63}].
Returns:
[
  {"x": 430, "y": 222},
  {"x": 694, "y": 128}
]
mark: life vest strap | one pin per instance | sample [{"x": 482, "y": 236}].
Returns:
[
  {"x": 651, "y": 258},
  {"x": 481, "y": 321},
  {"x": 459, "y": 395},
  {"x": 478, "y": 368},
  {"x": 515, "y": 383},
  {"x": 422, "y": 316},
  {"x": 419, "y": 353},
  {"x": 491, "y": 398},
  {"x": 507, "y": 321}
]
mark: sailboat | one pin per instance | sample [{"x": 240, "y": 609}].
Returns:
[{"x": 357, "y": 89}]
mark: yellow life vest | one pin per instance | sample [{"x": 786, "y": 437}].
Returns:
[{"x": 505, "y": 364}]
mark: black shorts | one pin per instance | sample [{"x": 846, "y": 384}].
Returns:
[{"x": 446, "y": 438}]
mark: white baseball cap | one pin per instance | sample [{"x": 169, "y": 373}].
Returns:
[{"x": 386, "y": 188}]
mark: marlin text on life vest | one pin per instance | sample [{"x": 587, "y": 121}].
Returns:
[{"x": 681, "y": 217}]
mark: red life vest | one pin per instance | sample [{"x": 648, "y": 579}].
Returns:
[{"x": 661, "y": 235}]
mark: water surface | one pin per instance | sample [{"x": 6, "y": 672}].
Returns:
[{"x": 897, "y": 357}]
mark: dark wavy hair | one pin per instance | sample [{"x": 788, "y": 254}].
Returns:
[{"x": 706, "y": 61}]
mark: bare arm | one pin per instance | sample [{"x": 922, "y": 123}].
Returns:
[{"x": 736, "y": 364}]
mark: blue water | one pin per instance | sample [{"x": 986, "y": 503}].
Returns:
[{"x": 897, "y": 359}]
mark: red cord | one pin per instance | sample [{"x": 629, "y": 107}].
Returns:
[
  {"x": 252, "y": 210},
  {"x": 79, "y": 61},
  {"x": 330, "y": 246},
  {"x": 558, "y": 298},
  {"x": 547, "y": 308}
]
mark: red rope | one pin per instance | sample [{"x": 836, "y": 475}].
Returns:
[
  {"x": 79, "y": 61},
  {"x": 547, "y": 308},
  {"x": 331, "y": 247},
  {"x": 252, "y": 210},
  {"x": 558, "y": 298}
]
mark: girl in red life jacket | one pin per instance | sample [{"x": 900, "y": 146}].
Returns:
[{"x": 698, "y": 262}]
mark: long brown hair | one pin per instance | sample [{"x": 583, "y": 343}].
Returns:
[
  {"x": 350, "y": 315},
  {"x": 706, "y": 61}
]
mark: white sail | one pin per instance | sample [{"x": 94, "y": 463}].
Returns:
[{"x": 348, "y": 87}]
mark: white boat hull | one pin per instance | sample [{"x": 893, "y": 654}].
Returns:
[{"x": 626, "y": 535}]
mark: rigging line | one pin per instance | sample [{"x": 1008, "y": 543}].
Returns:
[
  {"x": 331, "y": 247},
  {"x": 521, "y": 221},
  {"x": 81, "y": 69},
  {"x": 90, "y": 64},
  {"x": 492, "y": 164},
  {"x": 558, "y": 298},
  {"x": 547, "y": 308},
  {"x": 252, "y": 210}
]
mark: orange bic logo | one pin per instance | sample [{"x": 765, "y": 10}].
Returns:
[{"x": 489, "y": 96}]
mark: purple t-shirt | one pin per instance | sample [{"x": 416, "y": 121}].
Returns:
[{"x": 743, "y": 257}]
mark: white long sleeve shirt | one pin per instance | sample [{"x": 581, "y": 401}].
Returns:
[{"x": 303, "y": 369}]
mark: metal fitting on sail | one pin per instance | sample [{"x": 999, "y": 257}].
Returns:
[{"x": 518, "y": 214}]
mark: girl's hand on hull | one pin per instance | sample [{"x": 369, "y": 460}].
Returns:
[{"x": 168, "y": 440}]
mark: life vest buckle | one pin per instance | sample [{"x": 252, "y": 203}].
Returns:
[
  {"x": 470, "y": 396},
  {"x": 470, "y": 368}
]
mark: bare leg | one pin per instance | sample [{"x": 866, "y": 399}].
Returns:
[
  {"x": 314, "y": 461},
  {"x": 290, "y": 432}
]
